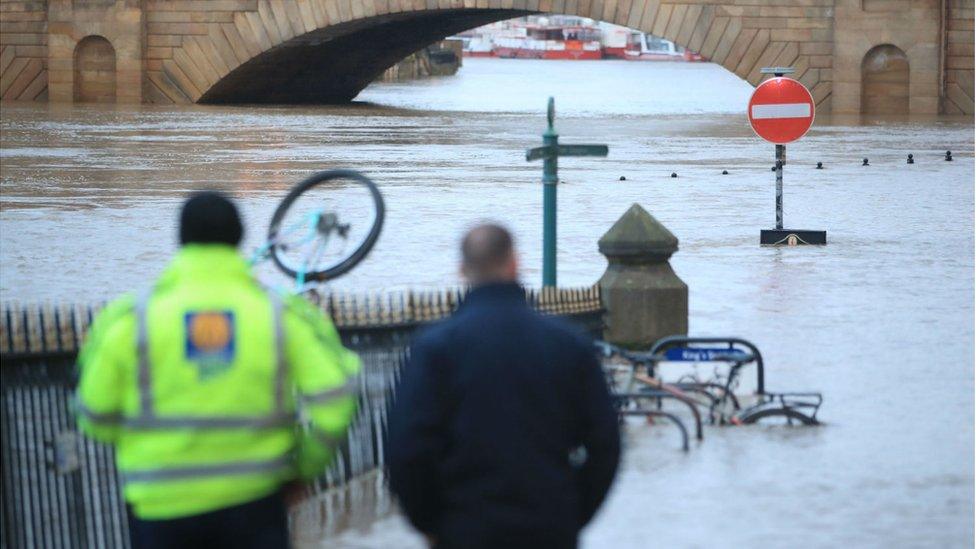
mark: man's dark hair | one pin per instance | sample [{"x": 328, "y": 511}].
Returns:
[
  {"x": 209, "y": 217},
  {"x": 484, "y": 250}
]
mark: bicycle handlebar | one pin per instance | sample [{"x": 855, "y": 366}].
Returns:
[{"x": 609, "y": 350}]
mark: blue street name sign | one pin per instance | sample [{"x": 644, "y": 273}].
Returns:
[{"x": 692, "y": 354}]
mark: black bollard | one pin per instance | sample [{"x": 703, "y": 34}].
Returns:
[
  {"x": 622, "y": 178},
  {"x": 673, "y": 174},
  {"x": 819, "y": 165},
  {"x": 948, "y": 156},
  {"x": 911, "y": 159},
  {"x": 865, "y": 162},
  {"x": 725, "y": 172}
]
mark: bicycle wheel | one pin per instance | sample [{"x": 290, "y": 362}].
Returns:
[
  {"x": 776, "y": 416},
  {"x": 326, "y": 225}
]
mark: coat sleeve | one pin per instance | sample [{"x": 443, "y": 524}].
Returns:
[
  {"x": 105, "y": 362},
  {"x": 600, "y": 434},
  {"x": 326, "y": 376},
  {"x": 416, "y": 437}
]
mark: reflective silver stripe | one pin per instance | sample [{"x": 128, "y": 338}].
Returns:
[
  {"x": 328, "y": 395},
  {"x": 148, "y": 419},
  {"x": 326, "y": 439},
  {"x": 189, "y": 422},
  {"x": 280, "y": 364},
  {"x": 142, "y": 348},
  {"x": 211, "y": 470},
  {"x": 110, "y": 418}
]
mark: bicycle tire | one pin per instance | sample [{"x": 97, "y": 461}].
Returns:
[
  {"x": 354, "y": 258},
  {"x": 788, "y": 413}
]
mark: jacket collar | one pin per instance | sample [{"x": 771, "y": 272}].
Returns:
[
  {"x": 205, "y": 262},
  {"x": 496, "y": 292}
]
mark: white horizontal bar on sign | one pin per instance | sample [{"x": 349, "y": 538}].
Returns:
[{"x": 781, "y": 110}]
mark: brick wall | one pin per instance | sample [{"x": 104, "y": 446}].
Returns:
[
  {"x": 959, "y": 58},
  {"x": 190, "y": 45},
  {"x": 23, "y": 50}
]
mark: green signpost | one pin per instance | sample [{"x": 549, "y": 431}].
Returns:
[{"x": 549, "y": 152}]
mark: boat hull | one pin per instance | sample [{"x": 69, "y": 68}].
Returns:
[
  {"x": 574, "y": 55},
  {"x": 610, "y": 52},
  {"x": 529, "y": 53},
  {"x": 654, "y": 57}
]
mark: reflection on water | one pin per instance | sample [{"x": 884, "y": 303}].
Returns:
[{"x": 880, "y": 320}]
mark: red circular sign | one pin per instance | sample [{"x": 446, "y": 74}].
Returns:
[{"x": 781, "y": 110}]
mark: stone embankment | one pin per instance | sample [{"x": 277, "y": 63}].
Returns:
[{"x": 440, "y": 59}]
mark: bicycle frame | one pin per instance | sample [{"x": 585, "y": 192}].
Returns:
[{"x": 313, "y": 224}]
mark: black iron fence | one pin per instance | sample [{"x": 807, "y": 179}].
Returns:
[{"x": 61, "y": 490}]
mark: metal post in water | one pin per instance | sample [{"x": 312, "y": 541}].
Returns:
[
  {"x": 550, "y": 151},
  {"x": 549, "y": 180},
  {"x": 780, "y": 159}
]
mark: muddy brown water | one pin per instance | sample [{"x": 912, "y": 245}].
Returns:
[{"x": 880, "y": 320}]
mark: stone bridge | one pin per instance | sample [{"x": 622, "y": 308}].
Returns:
[{"x": 885, "y": 56}]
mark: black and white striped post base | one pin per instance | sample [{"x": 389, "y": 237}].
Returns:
[{"x": 792, "y": 237}]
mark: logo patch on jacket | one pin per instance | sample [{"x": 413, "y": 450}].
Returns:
[{"x": 210, "y": 341}]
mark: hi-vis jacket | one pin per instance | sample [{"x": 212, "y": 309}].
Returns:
[{"x": 198, "y": 384}]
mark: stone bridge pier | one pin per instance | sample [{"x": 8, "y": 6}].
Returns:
[{"x": 870, "y": 56}]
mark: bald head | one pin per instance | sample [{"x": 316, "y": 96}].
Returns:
[{"x": 488, "y": 255}]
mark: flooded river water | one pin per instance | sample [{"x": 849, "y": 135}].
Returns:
[{"x": 880, "y": 320}]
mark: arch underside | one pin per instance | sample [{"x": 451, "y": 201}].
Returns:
[
  {"x": 276, "y": 56},
  {"x": 334, "y": 64}
]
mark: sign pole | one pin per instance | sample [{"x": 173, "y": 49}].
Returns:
[
  {"x": 781, "y": 110},
  {"x": 549, "y": 152},
  {"x": 780, "y": 157}
]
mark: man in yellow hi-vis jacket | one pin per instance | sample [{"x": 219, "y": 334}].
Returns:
[{"x": 198, "y": 382}]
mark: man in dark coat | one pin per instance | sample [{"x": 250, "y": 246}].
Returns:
[{"x": 502, "y": 433}]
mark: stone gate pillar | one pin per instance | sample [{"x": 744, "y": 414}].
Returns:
[{"x": 643, "y": 297}]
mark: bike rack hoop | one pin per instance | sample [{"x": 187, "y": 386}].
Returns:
[
  {"x": 667, "y": 415},
  {"x": 656, "y": 394}
]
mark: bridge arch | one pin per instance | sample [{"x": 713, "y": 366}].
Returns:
[{"x": 306, "y": 51}]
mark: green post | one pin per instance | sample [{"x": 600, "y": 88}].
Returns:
[
  {"x": 549, "y": 181},
  {"x": 550, "y": 151}
]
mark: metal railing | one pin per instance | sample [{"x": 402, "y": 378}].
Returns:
[{"x": 62, "y": 490}]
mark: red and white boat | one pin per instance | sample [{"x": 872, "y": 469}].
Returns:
[
  {"x": 565, "y": 38},
  {"x": 616, "y": 41},
  {"x": 568, "y": 37},
  {"x": 476, "y": 46},
  {"x": 644, "y": 47}
]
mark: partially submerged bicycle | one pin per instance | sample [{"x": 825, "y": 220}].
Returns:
[
  {"x": 323, "y": 227},
  {"x": 643, "y": 389}
]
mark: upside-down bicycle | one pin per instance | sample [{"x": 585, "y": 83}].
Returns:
[{"x": 309, "y": 241}]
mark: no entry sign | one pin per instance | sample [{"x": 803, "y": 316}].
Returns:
[{"x": 781, "y": 110}]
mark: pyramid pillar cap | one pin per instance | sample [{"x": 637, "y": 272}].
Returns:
[{"x": 638, "y": 237}]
